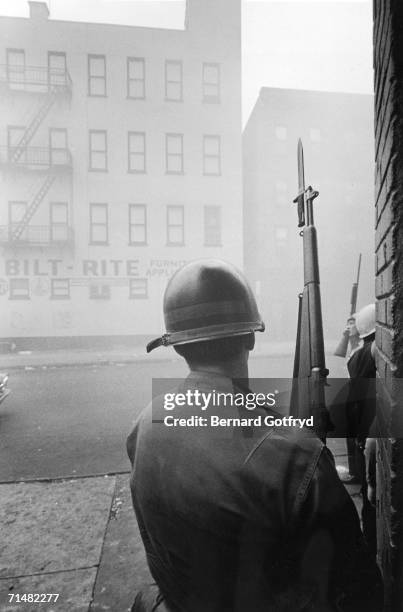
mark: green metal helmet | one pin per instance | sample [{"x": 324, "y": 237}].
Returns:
[{"x": 205, "y": 300}]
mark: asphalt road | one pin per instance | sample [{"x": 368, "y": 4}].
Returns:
[{"x": 73, "y": 421}]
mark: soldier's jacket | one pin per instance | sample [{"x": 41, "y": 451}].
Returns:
[
  {"x": 225, "y": 516},
  {"x": 361, "y": 399}
]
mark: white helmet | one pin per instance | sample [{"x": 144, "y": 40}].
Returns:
[{"x": 365, "y": 321}]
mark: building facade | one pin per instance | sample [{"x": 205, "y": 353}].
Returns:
[
  {"x": 388, "y": 67},
  {"x": 337, "y": 135},
  {"x": 120, "y": 160}
]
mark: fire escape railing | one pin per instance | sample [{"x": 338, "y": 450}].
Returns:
[
  {"x": 53, "y": 83},
  {"x": 40, "y": 235},
  {"x": 35, "y": 79},
  {"x": 37, "y": 157}
]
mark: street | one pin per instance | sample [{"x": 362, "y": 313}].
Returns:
[
  {"x": 73, "y": 421},
  {"x": 64, "y": 428}
]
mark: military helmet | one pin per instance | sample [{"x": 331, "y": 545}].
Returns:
[
  {"x": 207, "y": 299},
  {"x": 365, "y": 321}
]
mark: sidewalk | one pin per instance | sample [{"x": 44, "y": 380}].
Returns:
[
  {"x": 118, "y": 354},
  {"x": 78, "y": 538},
  {"x": 77, "y": 357}
]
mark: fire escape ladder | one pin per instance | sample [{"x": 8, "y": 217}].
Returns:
[
  {"x": 19, "y": 229},
  {"x": 33, "y": 126}
]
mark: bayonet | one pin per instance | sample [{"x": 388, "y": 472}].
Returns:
[{"x": 300, "y": 198}]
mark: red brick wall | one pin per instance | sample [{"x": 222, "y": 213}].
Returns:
[{"x": 388, "y": 67}]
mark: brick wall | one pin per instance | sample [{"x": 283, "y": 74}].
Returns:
[{"x": 388, "y": 66}]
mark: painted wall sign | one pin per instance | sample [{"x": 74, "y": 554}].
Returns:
[{"x": 91, "y": 268}]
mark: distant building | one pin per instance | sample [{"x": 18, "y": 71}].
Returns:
[
  {"x": 337, "y": 133},
  {"x": 120, "y": 159}
]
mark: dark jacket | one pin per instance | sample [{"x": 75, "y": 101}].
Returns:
[
  {"x": 361, "y": 400},
  {"x": 226, "y": 514}
]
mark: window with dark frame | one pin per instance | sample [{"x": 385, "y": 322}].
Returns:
[
  {"x": 57, "y": 68},
  {"x": 19, "y": 289},
  {"x": 58, "y": 213},
  {"x": 212, "y": 155},
  {"x": 98, "y": 223},
  {"x": 97, "y": 75},
  {"x": 60, "y": 288},
  {"x": 211, "y": 83},
  {"x": 136, "y": 78},
  {"x": 58, "y": 146},
  {"x": 173, "y": 80},
  {"x": 99, "y": 292},
  {"x": 175, "y": 226},
  {"x": 137, "y": 152},
  {"x": 174, "y": 153},
  {"x": 138, "y": 289},
  {"x": 16, "y": 68},
  {"x": 212, "y": 225},
  {"x": 137, "y": 224},
  {"x": 98, "y": 146}
]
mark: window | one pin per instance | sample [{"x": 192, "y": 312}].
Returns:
[
  {"x": 58, "y": 221},
  {"x": 314, "y": 134},
  {"x": 173, "y": 80},
  {"x": 281, "y": 186},
  {"x": 137, "y": 152},
  {"x": 19, "y": 289},
  {"x": 96, "y": 75},
  {"x": 16, "y": 212},
  {"x": 136, "y": 78},
  {"x": 175, "y": 226},
  {"x": 282, "y": 198},
  {"x": 211, "y": 83},
  {"x": 60, "y": 289},
  {"x": 281, "y": 236},
  {"x": 57, "y": 69},
  {"x": 16, "y": 68},
  {"x": 212, "y": 155},
  {"x": 137, "y": 224},
  {"x": 98, "y": 224},
  {"x": 100, "y": 292},
  {"x": 174, "y": 153},
  {"x": 58, "y": 146},
  {"x": 138, "y": 289},
  {"x": 15, "y": 134},
  {"x": 212, "y": 226},
  {"x": 281, "y": 132},
  {"x": 98, "y": 151}
]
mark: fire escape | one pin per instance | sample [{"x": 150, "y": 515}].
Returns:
[{"x": 50, "y": 87}]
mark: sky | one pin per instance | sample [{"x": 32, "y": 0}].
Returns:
[{"x": 316, "y": 44}]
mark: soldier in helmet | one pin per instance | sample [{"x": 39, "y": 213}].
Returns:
[
  {"x": 248, "y": 519},
  {"x": 353, "y": 335},
  {"x": 361, "y": 411}
]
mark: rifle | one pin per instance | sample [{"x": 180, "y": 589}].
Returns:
[
  {"x": 310, "y": 372},
  {"x": 341, "y": 349}
]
